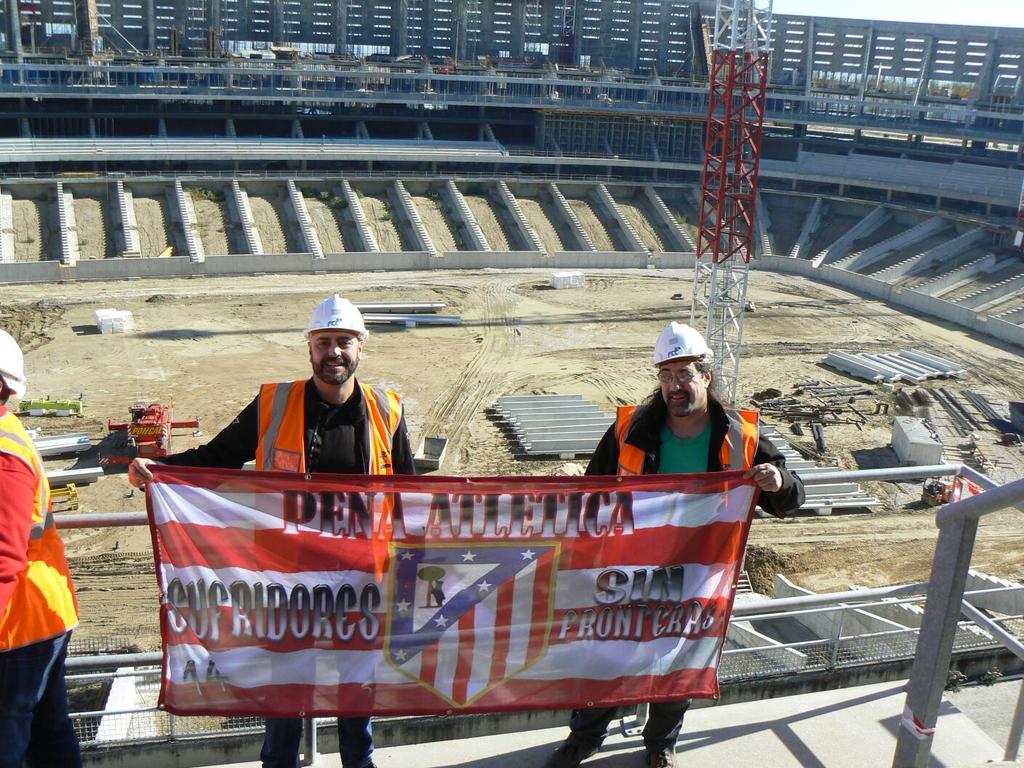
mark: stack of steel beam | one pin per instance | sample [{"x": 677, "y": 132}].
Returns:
[
  {"x": 908, "y": 365},
  {"x": 821, "y": 499},
  {"x": 553, "y": 425}
]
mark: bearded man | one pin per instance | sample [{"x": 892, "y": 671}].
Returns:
[{"x": 330, "y": 422}]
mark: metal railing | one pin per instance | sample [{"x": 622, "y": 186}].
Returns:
[
  {"x": 958, "y": 527},
  {"x": 931, "y": 646}
]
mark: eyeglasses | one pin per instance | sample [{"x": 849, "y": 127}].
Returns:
[{"x": 684, "y": 376}]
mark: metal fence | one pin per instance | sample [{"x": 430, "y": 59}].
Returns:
[{"x": 135, "y": 717}]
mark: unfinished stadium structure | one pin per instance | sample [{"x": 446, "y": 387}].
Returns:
[{"x": 191, "y": 160}]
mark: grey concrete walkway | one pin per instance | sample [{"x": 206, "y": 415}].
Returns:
[{"x": 849, "y": 728}]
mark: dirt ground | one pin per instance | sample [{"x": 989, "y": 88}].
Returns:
[
  {"x": 538, "y": 216},
  {"x": 268, "y": 221},
  {"x": 326, "y": 225},
  {"x": 208, "y": 343},
  {"x": 380, "y": 219},
  {"x": 641, "y": 222},
  {"x": 212, "y": 228},
  {"x": 92, "y": 226},
  {"x": 151, "y": 218},
  {"x": 490, "y": 224},
  {"x": 28, "y": 244},
  {"x": 436, "y": 223},
  {"x": 592, "y": 224}
]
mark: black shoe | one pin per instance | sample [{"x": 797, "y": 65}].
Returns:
[
  {"x": 661, "y": 758},
  {"x": 572, "y": 752}
]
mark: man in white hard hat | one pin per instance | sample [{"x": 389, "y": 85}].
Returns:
[
  {"x": 38, "y": 608},
  {"x": 330, "y": 422},
  {"x": 682, "y": 427}
]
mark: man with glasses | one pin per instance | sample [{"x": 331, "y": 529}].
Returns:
[
  {"x": 328, "y": 423},
  {"x": 682, "y": 427}
]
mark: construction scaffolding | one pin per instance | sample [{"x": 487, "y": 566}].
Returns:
[{"x": 643, "y": 137}]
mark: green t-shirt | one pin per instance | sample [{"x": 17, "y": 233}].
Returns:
[{"x": 679, "y": 456}]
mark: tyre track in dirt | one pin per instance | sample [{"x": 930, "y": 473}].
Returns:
[
  {"x": 110, "y": 584},
  {"x": 492, "y": 308}
]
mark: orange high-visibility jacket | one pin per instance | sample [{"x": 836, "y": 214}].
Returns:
[
  {"x": 282, "y": 427},
  {"x": 737, "y": 452},
  {"x": 43, "y": 604}
]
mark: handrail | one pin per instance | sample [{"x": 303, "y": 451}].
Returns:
[
  {"x": 975, "y": 507},
  {"x": 958, "y": 525}
]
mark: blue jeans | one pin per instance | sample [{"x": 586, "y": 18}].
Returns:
[
  {"x": 664, "y": 721},
  {"x": 282, "y": 737},
  {"x": 34, "y": 723}
]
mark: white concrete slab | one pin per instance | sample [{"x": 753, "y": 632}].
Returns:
[{"x": 848, "y": 728}]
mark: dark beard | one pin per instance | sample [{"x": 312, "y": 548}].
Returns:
[
  {"x": 343, "y": 374},
  {"x": 680, "y": 411}
]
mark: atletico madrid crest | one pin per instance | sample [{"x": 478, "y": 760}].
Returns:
[{"x": 463, "y": 618}]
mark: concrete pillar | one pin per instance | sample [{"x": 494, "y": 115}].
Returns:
[
  {"x": 634, "y": 35},
  {"x": 461, "y": 20},
  {"x": 399, "y": 25},
  {"x": 809, "y": 57},
  {"x": 14, "y": 29},
  {"x": 149, "y": 14},
  {"x": 983, "y": 87},
  {"x": 865, "y": 72},
  {"x": 926, "y": 65},
  {"x": 86, "y": 26},
  {"x": 277, "y": 22},
  {"x": 341, "y": 26},
  {"x": 518, "y": 36},
  {"x": 577, "y": 25}
]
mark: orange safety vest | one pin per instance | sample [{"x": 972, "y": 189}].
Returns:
[
  {"x": 43, "y": 604},
  {"x": 282, "y": 427},
  {"x": 742, "y": 432}
]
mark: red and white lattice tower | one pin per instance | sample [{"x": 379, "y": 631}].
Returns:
[{"x": 732, "y": 154}]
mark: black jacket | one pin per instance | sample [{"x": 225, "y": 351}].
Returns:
[
  {"x": 335, "y": 441},
  {"x": 645, "y": 434}
]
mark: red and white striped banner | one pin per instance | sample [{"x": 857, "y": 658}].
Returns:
[{"x": 355, "y": 595}]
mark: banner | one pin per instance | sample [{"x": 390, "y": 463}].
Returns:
[{"x": 284, "y": 595}]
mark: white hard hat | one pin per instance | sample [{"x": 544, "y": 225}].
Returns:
[
  {"x": 337, "y": 314},
  {"x": 679, "y": 340},
  {"x": 12, "y": 364}
]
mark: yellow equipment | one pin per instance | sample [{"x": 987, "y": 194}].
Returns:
[{"x": 65, "y": 499}]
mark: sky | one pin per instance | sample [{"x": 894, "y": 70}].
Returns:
[{"x": 986, "y": 13}]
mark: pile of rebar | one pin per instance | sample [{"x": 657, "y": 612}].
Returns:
[{"x": 816, "y": 402}]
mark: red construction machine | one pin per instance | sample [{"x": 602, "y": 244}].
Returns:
[{"x": 149, "y": 431}]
